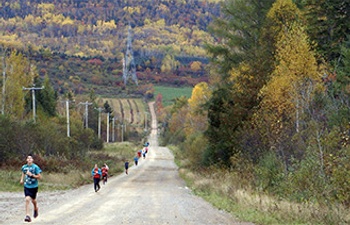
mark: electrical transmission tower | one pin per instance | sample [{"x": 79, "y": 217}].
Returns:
[{"x": 129, "y": 68}]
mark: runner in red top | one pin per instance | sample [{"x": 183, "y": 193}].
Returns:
[
  {"x": 104, "y": 171},
  {"x": 139, "y": 153}
]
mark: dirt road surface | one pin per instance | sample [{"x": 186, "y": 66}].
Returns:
[{"x": 152, "y": 193}]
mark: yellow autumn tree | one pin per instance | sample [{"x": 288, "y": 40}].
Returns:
[
  {"x": 178, "y": 116},
  {"x": 19, "y": 74},
  {"x": 196, "y": 118},
  {"x": 295, "y": 74},
  {"x": 195, "y": 66},
  {"x": 169, "y": 63}
]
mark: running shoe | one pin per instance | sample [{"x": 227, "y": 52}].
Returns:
[
  {"x": 27, "y": 219},
  {"x": 36, "y": 213}
]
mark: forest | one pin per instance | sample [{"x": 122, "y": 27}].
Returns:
[
  {"x": 275, "y": 112},
  {"x": 83, "y": 43}
]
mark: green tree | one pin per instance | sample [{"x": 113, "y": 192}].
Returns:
[
  {"x": 243, "y": 58},
  {"x": 107, "y": 107},
  {"x": 328, "y": 25},
  {"x": 240, "y": 39},
  {"x": 47, "y": 97},
  {"x": 339, "y": 81}
]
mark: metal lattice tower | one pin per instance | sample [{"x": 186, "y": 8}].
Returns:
[{"x": 129, "y": 68}]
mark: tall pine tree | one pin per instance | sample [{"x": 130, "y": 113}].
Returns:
[
  {"x": 328, "y": 25},
  {"x": 244, "y": 60}
]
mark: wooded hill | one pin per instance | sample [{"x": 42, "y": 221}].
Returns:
[{"x": 82, "y": 43}]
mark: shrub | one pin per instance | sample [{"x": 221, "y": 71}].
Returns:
[
  {"x": 269, "y": 173},
  {"x": 97, "y": 143},
  {"x": 194, "y": 147}
]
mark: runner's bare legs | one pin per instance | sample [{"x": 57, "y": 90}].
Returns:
[{"x": 28, "y": 200}]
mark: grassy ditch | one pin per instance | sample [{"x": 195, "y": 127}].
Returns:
[
  {"x": 224, "y": 189},
  {"x": 60, "y": 173}
]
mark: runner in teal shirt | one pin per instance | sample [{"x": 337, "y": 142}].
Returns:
[
  {"x": 30, "y": 175},
  {"x": 30, "y": 181}
]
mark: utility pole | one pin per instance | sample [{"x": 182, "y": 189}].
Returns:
[
  {"x": 3, "y": 85},
  {"x": 108, "y": 127},
  {"x": 99, "y": 121},
  {"x": 122, "y": 129},
  {"x": 67, "y": 113},
  {"x": 86, "y": 112},
  {"x": 113, "y": 132},
  {"x": 33, "y": 89},
  {"x": 146, "y": 121}
]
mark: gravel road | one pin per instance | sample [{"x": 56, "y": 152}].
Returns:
[{"x": 152, "y": 193}]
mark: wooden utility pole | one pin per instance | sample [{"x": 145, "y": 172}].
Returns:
[
  {"x": 99, "y": 121},
  {"x": 107, "y": 127},
  {"x": 67, "y": 114},
  {"x": 33, "y": 89},
  {"x": 3, "y": 86},
  {"x": 86, "y": 112}
]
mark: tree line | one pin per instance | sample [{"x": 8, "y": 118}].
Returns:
[
  {"x": 276, "y": 108},
  {"x": 47, "y": 132}
]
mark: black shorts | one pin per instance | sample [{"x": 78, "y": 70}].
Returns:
[{"x": 30, "y": 192}]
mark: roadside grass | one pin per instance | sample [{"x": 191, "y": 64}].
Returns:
[
  {"x": 171, "y": 93},
  {"x": 223, "y": 189},
  {"x": 79, "y": 172}
]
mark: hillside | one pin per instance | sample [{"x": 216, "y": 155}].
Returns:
[{"x": 83, "y": 43}]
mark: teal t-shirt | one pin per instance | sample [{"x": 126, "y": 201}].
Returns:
[{"x": 31, "y": 182}]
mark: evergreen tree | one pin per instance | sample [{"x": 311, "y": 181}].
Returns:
[
  {"x": 244, "y": 61},
  {"x": 338, "y": 84},
  {"x": 328, "y": 25},
  {"x": 47, "y": 97},
  {"x": 107, "y": 107}
]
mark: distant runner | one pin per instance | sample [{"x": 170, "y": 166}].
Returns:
[
  {"x": 144, "y": 153},
  {"x": 96, "y": 175},
  {"x": 104, "y": 171},
  {"x": 136, "y": 160},
  {"x": 126, "y": 165},
  {"x": 139, "y": 153}
]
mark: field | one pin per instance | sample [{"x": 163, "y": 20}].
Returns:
[
  {"x": 130, "y": 110},
  {"x": 132, "y": 114},
  {"x": 171, "y": 93},
  {"x": 134, "y": 110}
]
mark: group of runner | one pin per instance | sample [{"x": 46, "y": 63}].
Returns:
[
  {"x": 31, "y": 173},
  {"x": 142, "y": 152},
  {"x": 98, "y": 174}
]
